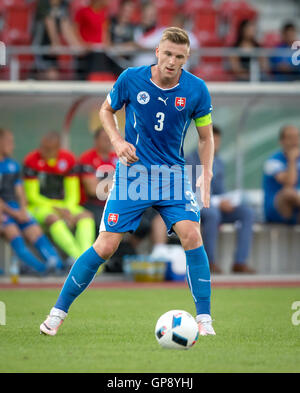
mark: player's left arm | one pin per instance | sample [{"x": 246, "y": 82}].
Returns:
[{"x": 206, "y": 154}]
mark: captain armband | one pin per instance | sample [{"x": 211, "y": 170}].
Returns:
[{"x": 203, "y": 121}]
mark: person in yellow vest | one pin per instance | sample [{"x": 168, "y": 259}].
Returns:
[{"x": 53, "y": 193}]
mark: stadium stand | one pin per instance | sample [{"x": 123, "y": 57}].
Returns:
[{"x": 214, "y": 23}]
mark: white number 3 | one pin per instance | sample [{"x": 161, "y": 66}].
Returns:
[{"x": 161, "y": 118}]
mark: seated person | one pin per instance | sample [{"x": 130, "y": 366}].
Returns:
[
  {"x": 281, "y": 181},
  {"x": 97, "y": 165},
  {"x": 224, "y": 211},
  {"x": 283, "y": 67},
  {"x": 15, "y": 222},
  {"x": 53, "y": 192}
]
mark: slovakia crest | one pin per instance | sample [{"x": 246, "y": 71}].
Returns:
[
  {"x": 113, "y": 218},
  {"x": 143, "y": 97},
  {"x": 180, "y": 103}
]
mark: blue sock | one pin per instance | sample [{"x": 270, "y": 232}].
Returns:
[
  {"x": 198, "y": 276},
  {"x": 79, "y": 278},
  {"x": 22, "y": 251},
  {"x": 48, "y": 252}
]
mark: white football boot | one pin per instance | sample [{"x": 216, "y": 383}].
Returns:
[
  {"x": 51, "y": 325},
  {"x": 205, "y": 325}
]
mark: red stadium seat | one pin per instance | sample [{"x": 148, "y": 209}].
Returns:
[
  {"x": 18, "y": 17},
  {"x": 211, "y": 72},
  {"x": 271, "y": 39},
  {"x": 102, "y": 77},
  {"x": 191, "y": 7}
]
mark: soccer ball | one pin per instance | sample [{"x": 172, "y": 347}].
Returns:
[{"x": 176, "y": 329}]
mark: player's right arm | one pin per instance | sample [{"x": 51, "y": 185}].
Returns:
[{"x": 124, "y": 150}]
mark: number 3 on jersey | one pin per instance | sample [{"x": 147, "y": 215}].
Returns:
[{"x": 161, "y": 118}]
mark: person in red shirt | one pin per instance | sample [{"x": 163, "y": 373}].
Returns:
[
  {"x": 97, "y": 166},
  {"x": 53, "y": 193},
  {"x": 91, "y": 23}
]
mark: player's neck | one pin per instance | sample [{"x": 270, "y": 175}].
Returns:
[{"x": 160, "y": 81}]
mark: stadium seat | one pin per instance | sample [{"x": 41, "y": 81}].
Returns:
[
  {"x": 101, "y": 77},
  {"x": 18, "y": 18},
  {"x": 212, "y": 72},
  {"x": 205, "y": 20},
  {"x": 271, "y": 39}
]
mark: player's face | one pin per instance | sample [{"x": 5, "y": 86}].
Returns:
[
  {"x": 8, "y": 144},
  {"x": 49, "y": 149},
  {"x": 290, "y": 139},
  {"x": 171, "y": 57},
  {"x": 102, "y": 143}
]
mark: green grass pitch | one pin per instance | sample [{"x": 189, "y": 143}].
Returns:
[{"x": 113, "y": 331}]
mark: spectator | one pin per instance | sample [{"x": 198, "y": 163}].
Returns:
[
  {"x": 224, "y": 210},
  {"x": 91, "y": 23},
  {"x": 15, "y": 222},
  {"x": 52, "y": 28},
  {"x": 246, "y": 41},
  {"x": 147, "y": 35},
  {"x": 121, "y": 28},
  {"x": 96, "y": 165},
  {"x": 281, "y": 182},
  {"x": 53, "y": 191},
  {"x": 282, "y": 65}
]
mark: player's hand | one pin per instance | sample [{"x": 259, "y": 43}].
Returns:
[
  {"x": 293, "y": 154},
  {"x": 125, "y": 151},
  {"x": 67, "y": 216},
  {"x": 203, "y": 182},
  {"x": 21, "y": 216}
]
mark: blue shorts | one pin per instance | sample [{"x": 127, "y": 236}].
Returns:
[
  {"x": 8, "y": 220},
  {"x": 130, "y": 197}
]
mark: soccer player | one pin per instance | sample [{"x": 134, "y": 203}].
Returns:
[
  {"x": 161, "y": 101},
  {"x": 97, "y": 164},
  {"x": 53, "y": 193},
  {"x": 281, "y": 181},
  {"x": 15, "y": 220}
]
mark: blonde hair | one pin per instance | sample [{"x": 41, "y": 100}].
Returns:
[{"x": 176, "y": 35}]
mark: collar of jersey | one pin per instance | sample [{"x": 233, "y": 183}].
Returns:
[{"x": 170, "y": 88}]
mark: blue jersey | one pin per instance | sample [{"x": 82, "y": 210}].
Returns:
[
  {"x": 10, "y": 176},
  {"x": 273, "y": 166},
  {"x": 157, "y": 119}
]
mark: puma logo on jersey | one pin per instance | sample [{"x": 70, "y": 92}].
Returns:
[{"x": 164, "y": 101}]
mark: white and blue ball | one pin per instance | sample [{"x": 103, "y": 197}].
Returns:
[{"x": 176, "y": 329}]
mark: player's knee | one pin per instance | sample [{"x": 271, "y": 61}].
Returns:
[
  {"x": 289, "y": 193},
  {"x": 192, "y": 239},
  {"x": 105, "y": 249}
]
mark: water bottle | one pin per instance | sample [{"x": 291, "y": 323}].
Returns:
[{"x": 14, "y": 270}]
